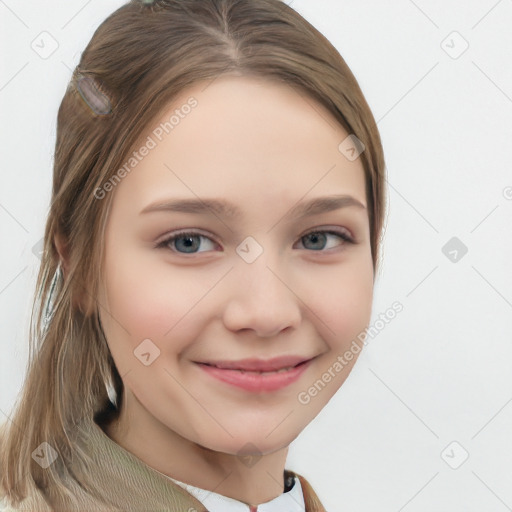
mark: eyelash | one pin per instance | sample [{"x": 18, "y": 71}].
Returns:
[{"x": 164, "y": 244}]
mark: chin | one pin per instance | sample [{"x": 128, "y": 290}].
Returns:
[{"x": 254, "y": 441}]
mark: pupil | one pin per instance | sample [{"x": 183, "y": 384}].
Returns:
[
  {"x": 316, "y": 237},
  {"x": 189, "y": 242}
]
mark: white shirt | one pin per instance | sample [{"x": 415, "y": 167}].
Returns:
[{"x": 291, "y": 501}]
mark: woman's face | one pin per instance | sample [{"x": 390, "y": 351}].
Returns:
[{"x": 262, "y": 278}]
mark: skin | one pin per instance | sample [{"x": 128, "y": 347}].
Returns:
[{"x": 296, "y": 298}]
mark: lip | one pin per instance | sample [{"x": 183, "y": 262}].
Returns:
[
  {"x": 259, "y": 365},
  {"x": 252, "y": 379}
]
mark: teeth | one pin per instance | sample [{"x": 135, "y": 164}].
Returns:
[{"x": 282, "y": 370}]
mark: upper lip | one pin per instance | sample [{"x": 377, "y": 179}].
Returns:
[{"x": 262, "y": 365}]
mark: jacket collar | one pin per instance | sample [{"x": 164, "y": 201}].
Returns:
[{"x": 126, "y": 482}]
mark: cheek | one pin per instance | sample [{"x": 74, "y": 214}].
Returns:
[
  {"x": 343, "y": 304},
  {"x": 150, "y": 299}
]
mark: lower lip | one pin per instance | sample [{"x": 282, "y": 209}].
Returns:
[{"x": 256, "y": 382}]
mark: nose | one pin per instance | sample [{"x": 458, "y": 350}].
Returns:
[{"x": 261, "y": 298}]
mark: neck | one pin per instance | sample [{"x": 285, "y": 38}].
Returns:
[{"x": 251, "y": 481}]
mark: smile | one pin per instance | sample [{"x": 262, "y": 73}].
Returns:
[{"x": 257, "y": 380}]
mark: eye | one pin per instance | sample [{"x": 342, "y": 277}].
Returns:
[
  {"x": 320, "y": 237},
  {"x": 187, "y": 242}
]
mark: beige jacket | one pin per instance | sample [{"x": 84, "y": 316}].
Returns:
[{"x": 126, "y": 483}]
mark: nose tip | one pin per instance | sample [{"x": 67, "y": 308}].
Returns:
[{"x": 261, "y": 301}]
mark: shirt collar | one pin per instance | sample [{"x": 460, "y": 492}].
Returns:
[
  {"x": 121, "y": 475},
  {"x": 291, "y": 501}
]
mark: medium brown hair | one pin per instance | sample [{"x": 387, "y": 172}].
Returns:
[{"x": 140, "y": 58}]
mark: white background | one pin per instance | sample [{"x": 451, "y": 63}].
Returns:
[{"x": 441, "y": 370}]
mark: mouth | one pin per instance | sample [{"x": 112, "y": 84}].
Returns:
[
  {"x": 281, "y": 363},
  {"x": 257, "y": 372},
  {"x": 257, "y": 375}
]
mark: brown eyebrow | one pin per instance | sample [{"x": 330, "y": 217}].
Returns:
[{"x": 228, "y": 210}]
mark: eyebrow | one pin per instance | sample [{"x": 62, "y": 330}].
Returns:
[{"x": 225, "y": 209}]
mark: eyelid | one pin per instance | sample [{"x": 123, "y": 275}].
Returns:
[
  {"x": 344, "y": 233},
  {"x": 180, "y": 232},
  {"x": 336, "y": 230}
]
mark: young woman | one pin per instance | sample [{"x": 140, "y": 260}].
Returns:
[{"x": 210, "y": 255}]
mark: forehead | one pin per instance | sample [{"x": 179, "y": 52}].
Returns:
[{"x": 245, "y": 139}]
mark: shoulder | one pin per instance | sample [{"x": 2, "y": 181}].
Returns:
[
  {"x": 29, "y": 504},
  {"x": 311, "y": 500},
  {"x": 4, "y": 507}
]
